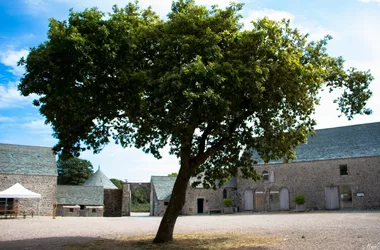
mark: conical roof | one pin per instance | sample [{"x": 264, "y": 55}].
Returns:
[{"x": 100, "y": 179}]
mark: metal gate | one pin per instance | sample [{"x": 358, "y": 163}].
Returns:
[
  {"x": 332, "y": 198},
  {"x": 284, "y": 199}
]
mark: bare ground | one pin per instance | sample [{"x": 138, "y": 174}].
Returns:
[{"x": 322, "y": 230}]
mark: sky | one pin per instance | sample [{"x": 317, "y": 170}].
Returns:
[{"x": 354, "y": 25}]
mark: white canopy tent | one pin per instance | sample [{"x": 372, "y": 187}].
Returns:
[
  {"x": 18, "y": 191},
  {"x": 15, "y": 192}
]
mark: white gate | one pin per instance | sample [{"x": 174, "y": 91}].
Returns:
[
  {"x": 332, "y": 198},
  {"x": 248, "y": 200},
  {"x": 284, "y": 199}
]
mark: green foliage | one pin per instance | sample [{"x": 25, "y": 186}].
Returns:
[
  {"x": 118, "y": 183},
  {"x": 140, "y": 207},
  {"x": 173, "y": 174},
  {"x": 139, "y": 196},
  {"x": 195, "y": 81},
  {"x": 227, "y": 202},
  {"x": 299, "y": 199},
  {"x": 73, "y": 171}
]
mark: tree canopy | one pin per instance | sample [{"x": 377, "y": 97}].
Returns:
[
  {"x": 196, "y": 81},
  {"x": 73, "y": 171},
  {"x": 118, "y": 183}
]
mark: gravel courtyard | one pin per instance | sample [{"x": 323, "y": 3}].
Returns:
[{"x": 322, "y": 230}]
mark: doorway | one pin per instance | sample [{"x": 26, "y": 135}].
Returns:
[
  {"x": 331, "y": 196},
  {"x": 248, "y": 200},
  {"x": 200, "y": 206},
  {"x": 284, "y": 199},
  {"x": 259, "y": 200},
  {"x": 345, "y": 196}
]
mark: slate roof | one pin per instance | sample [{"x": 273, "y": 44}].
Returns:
[
  {"x": 27, "y": 160},
  {"x": 100, "y": 179},
  {"x": 163, "y": 186},
  {"x": 340, "y": 142},
  {"x": 80, "y": 195}
]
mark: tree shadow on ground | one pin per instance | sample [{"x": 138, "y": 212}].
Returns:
[
  {"x": 193, "y": 241},
  {"x": 50, "y": 243}
]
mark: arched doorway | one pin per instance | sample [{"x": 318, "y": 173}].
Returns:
[
  {"x": 284, "y": 199},
  {"x": 259, "y": 199},
  {"x": 248, "y": 200},
  {"x": 274, "y": 199}
]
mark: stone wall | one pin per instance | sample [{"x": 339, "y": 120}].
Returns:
[
  {"x": 311, "y": 179},
  {"x": 113, "y": 202},
  {"x": 44, "y": 185},
  {"x": 143, "y": 186},
  {"x": 126, "y": 200}
]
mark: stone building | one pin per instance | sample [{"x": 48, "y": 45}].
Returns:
[
  {"x": 35, "y": 169},
  {"x": 112, "y": 195},
  {"x": 80, "y": 200},
  {"x": 199, "y": 200},
  {"x": 338, "y": 168}
]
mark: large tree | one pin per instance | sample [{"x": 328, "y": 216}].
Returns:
[
  {"x": 73, "y": 171},
  {"x": 195, "y": 81}
]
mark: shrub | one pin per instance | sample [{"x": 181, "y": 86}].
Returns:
[
  {"x": 299, "y": 199},
  {"x": 227, "y": 202}
]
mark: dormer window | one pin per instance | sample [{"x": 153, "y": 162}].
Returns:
[{"x": 265, "y": 175}]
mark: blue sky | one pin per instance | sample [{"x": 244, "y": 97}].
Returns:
[{"x": 354, "y": 24}]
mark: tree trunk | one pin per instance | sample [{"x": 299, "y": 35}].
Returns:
[{"x": 177, "y": 200}]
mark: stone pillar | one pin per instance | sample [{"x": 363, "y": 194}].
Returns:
[{"x": 126, "y": 200}]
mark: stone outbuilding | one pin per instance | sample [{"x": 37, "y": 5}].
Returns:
[
  {"x": 199, "y": 200},
  {"x": 84, "y": 201},
  {"x": 338, "y": 168},
  {"x": 113, "y": 197},
  {"x": 35, "y": 169}
]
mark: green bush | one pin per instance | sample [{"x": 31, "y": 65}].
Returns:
[
  {"x": 299, "y": 199},
  {"x": 227, "y": 202},
  {"x": 140, "y": 197}
]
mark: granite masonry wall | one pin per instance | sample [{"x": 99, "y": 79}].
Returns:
[
  {"x": 113, "y": 202},
  {"x": 126, "y": 200},
  {"x": 312, "y": 178},
  {"x": 44, "y": 185}
]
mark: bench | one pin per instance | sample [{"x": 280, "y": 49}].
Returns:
[
  {"x": 10, "y": 213},
  {"x": 215, "y": 211}
]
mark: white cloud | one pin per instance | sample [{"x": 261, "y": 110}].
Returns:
[
  {"x": 131, "y": 163},
  {"x": 10, "y": 97},
  {"x": 11, "y": 57},
  {"x": 369, "y": 1},
  {"x": 276, "y": 15},
  {"x": 6, "y": 119},
  {"x": 38, "y": 127}
]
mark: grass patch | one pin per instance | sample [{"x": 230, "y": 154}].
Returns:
[
  {"x": 182, "y": 241},
  {"x": 143, "y": 207}
]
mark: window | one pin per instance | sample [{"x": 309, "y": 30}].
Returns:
[
  {"x": 265, "y": 175},
  {"x": 224, "y": 193},
  {"x": 71, "y": 210},
  {"x": 166, "y": 203},
  {"x": 94, "y": 210},
  {"x": 343, "y": 170}
]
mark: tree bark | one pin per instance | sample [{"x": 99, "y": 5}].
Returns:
[{"x": 177, "y": 199}]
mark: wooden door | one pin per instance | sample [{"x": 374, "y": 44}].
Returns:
[
  {"x": 259, "y": 201},
  {"x": 284, "y": 199},
  {"x": 332, "y": 198},
  {"x": 248, "y": 200}
]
